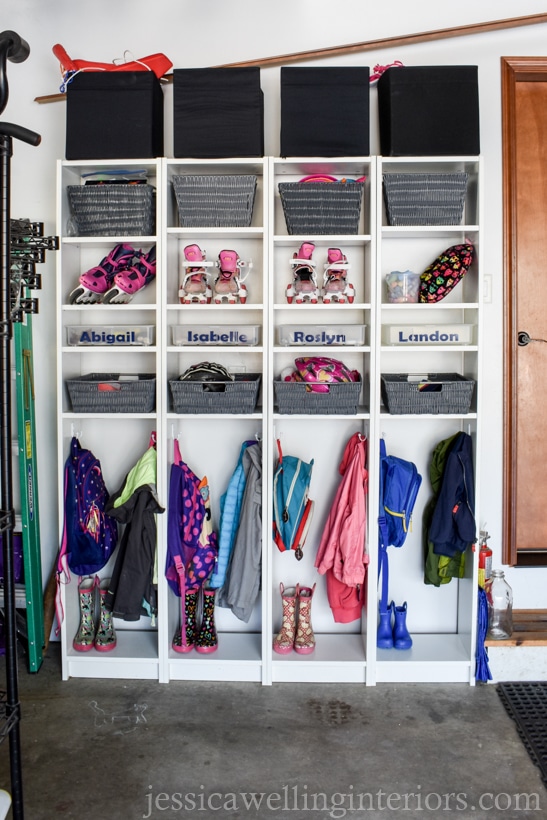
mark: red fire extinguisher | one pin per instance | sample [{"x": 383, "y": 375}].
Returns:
[{"x": 485, "y": 558}]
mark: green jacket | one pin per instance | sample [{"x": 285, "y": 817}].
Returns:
[{"x": 439, "y": 569}]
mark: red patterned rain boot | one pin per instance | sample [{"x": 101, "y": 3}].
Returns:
[
  {"x": 283, "y": 642},
  {"x": 304, "y": 642}
]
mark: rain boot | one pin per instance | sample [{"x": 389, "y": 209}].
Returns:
[
  {"x": 105, "y": 637},
  {"x": 188, "y": 624},
  {"x": 207, "y": 640},
  {"x": 84, "y": 638},
  {"x": 283, "y": 642},
  {"x": 384, "y": 635},
  {"x": 401, "y": 638},
  {"x": 304, "y": 642}
]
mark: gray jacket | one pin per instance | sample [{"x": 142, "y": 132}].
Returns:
[{"x": 242, "y": 584}]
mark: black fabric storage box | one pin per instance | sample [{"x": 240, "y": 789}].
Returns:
[
  {"x": 114, "y": 115},
  {"x": 429, "y": 111},
  {"x": 218, "y": 113},
  {"x": 325, "y": 112}
]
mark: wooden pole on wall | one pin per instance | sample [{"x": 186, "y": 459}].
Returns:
[{"x": 368, "y": 45}]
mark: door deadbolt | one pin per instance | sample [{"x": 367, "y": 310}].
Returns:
[{"x": 524, "y": 338}]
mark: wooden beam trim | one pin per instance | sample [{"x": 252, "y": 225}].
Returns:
[{"x": 367, "y": 45}]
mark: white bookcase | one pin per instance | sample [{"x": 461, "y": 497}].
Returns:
[{"x": 441, "y": 620}]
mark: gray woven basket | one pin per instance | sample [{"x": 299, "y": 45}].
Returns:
[
  {"x": 239, "y": 396},
  {"x": 113, "y": 210},
  {"x": 435, "y": 393},
  {"x": 113, "y": 393},
  {"x": 321, "y": 207},
  {"x": 425, "y": 199},
  {"x": 215, "y": 201},
  {"x": 296, "y": 398}
]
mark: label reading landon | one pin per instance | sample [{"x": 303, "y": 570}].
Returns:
[{"x": 428, "y": 334}]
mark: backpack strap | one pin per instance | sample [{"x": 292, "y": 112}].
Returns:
[
  {"x": 302, "y": 531},
  {"x": 181, "y": 572},
  {"x": 383, "y": 564},
  {"x": 63, "y": 571}
]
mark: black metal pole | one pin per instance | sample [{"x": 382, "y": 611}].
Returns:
[
  {"x": 12, "y": 695},
  {"x": 12, "y": 48}
]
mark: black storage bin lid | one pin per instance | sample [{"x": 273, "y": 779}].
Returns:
[
  {"x": 429, "y": 111},
  {"x": 114, "y": 115},
  {"x": 325, "y": 111},
  {"x": 218, "y": 113}
]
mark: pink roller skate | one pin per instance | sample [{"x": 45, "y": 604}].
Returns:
[
  {"x": 304, "y": 287},
  {"x": 95, "y": 282},
  {"x": 229, "y": 286},
  {"x": 195, "y": 283},
  {"x": 130, "y": 280},
  {"x": 336, "y": 288}
]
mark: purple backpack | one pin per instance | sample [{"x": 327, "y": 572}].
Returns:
[
  {"x": 192, "y": 547},
  {"x": 89, "y": 535}
]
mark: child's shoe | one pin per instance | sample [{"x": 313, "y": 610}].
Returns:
[
  {"x": 228, "y": 286},
  {"x": 304, "y": 286},
  {"x": 195, "y": 282},
  {"x": 336, "y": 288},
  {"x": 95, "y": 282},
  {"x": 129, "y": 280}
]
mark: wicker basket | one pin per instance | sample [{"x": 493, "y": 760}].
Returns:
[
  {"x": 296, "y": 398},
  {"x": 113, "y": 393},
  {"x": 425, "y": 199},
  {"x": 213, "y": 201},
  {"x": 435, "y": 393},
  {"x": 239, "y": 396},
  {"x": 113, "y": 210},
  {"x": 321, "y": 207}
]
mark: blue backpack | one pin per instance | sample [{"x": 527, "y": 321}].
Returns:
[
  {"x": 89, "y": 535},
  {"x": 293, "y": 509},
  {"x": 399, "y": 485}
]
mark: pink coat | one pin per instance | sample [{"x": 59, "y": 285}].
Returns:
[{"x": 341, "y": 554}]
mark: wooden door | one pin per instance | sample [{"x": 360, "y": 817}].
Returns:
[{"x": 524, "y": 97}]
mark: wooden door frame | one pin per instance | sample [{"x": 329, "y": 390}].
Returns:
[{"x": 513, "y": 70}]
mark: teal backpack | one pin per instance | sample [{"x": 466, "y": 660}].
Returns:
[{"x": 293, "y": 509}]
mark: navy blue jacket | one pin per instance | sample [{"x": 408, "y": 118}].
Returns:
[{"x": 453, "y": 526}]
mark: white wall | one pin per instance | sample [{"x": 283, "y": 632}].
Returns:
[{"x": 214, "y": 32}]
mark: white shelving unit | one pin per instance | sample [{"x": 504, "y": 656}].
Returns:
[
  {"x": 117, "y": 439},
  {"x": 210, "y": 444},
  {"x": 341, "y": 651},
  {"x": 441, "y": 620}
]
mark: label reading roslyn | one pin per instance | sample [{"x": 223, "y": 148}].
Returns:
[{"x": 323, "y": 337}]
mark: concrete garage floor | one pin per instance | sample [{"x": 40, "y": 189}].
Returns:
[{"x": 137, "y": 749}]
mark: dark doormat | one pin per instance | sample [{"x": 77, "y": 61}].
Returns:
[{"x": 526, "y": 703}]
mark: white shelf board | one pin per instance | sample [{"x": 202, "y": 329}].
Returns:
[{"x": 437, "y": 658}]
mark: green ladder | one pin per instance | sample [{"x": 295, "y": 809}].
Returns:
[
  {"x": 28, "y": 481},
  {"x": 28, "y": 247}
]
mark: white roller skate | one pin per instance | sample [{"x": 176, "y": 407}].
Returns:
[
  {"x": 195, "y": 281},
  {"x": 95, "y": 282},
  {"x": 229, "y": 285},
  {"x": 336, "y": 288},
  {"x": 131, "y": 279},
  {"x": 304, "y": 287}
]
